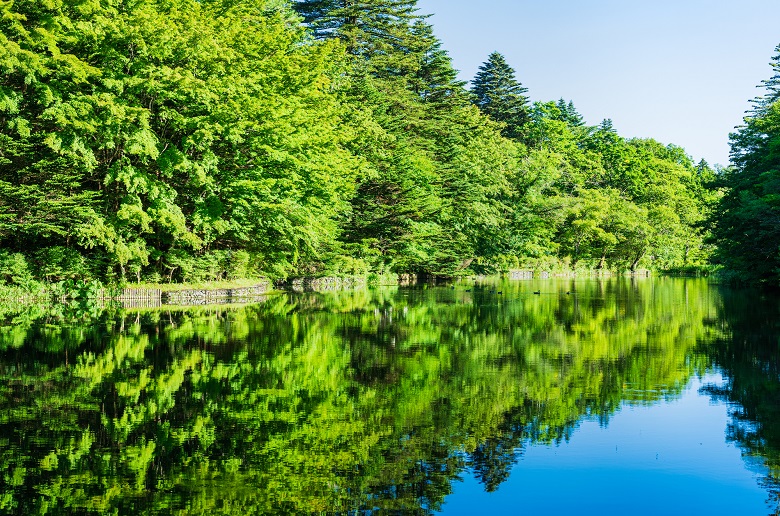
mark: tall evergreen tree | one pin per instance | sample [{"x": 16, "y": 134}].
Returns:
[
  {"x": 747, "y": 219},
  {"x": 435, "y": 80},
  {"x": 772, "y": 86},
  {"x": 375, "y": 30},
  {"x": 432, "y": 157},
  {"x": 498, "y": 94},
  {"x": 569, "y": 113}
]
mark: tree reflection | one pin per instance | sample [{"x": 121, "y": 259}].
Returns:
[
  {"x": 748, "y": 354},
  {"x": 369, "y": 401}
]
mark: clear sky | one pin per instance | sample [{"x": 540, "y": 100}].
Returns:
[{"x": 679, "y": 71}]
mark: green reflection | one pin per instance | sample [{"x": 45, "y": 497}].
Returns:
[
  {"x": 747, "y": 351},
  {"x": 372, "y": 400}
]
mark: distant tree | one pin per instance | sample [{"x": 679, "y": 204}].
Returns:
[
  {"x": 569, "y": 113},
  {"x": 606, "y": 126},
  {"x": 498, "y": 94}
]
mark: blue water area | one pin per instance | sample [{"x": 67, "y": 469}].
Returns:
[{"x": 672, "y": 457}]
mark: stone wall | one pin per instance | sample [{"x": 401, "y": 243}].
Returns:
[
  {"x": 327, "y": 283},
  {"x": 205, "y": 296}
]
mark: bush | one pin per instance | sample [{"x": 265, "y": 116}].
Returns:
[
  {"x": 60, "y": 263},
  {"x": 237, "y": 265},
  {"x": 348, "y": 266},
  {"x": 14, "y": 270}
]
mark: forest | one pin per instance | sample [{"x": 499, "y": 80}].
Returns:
[{"x": 200, "y": 140}]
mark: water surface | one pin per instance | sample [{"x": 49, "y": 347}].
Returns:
[{"x": 650, "y": 396}]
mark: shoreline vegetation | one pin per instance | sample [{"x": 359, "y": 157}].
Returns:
[
  {"x": 253, "y": 289},
  {"x": 193, "y": 141}
]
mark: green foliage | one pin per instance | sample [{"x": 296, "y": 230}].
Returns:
[
  {"x": 588, "y": 197},
  {"x": 184, "y": 127},
  {"x": 569, "y": 114},
  {"x": 14, "y": 269},
  {"x": 430, "y": 199}
]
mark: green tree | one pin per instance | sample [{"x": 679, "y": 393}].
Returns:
[
  {"x": 157, "y": 138},
  {"x": 746, "y": 222},
  {"x": 48, "y": 172},
  {"x": 375, "y": 31},
  {"x": 429, "y": 200},
  {"x": 569, "y": 114},
  {"x": 771, "y": 85},
  {"x": 498, "y": 94}
]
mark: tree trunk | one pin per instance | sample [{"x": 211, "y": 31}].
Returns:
[
  {"x": 602, "y": 261},
  {"x": 636, "y": 261},
  {"x": 465, "y": 263}
]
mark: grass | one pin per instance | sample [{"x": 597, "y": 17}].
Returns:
[{"x": 199, "y": 285}]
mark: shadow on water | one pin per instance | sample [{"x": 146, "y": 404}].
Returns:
[
  {"x": 369, "y": 401},
  {"x": 747, "y": 352}
]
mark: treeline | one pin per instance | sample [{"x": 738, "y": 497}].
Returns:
[{"x": 181, "y": 140}]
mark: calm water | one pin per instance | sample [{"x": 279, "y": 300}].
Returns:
[{"x": 654, "y": 396}]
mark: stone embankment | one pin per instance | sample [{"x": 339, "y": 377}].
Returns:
[
  {"x": 218, "y": 295},
  {"x": 131, "y": 297},
  {"x": 529, "y": 274},
  {"x": 137, "y": 297},
  {"x": 319, "y": 284}
]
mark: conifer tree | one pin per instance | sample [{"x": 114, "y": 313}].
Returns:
[
  {"x": 747, "y": 219},
  {"x": 498, "y": 94},
  {"x": 569, "y": 113},
  {"x": 772, "y": 86},
  {"x": 422, "y": 164},
  {"x": 435, "y": 79},
  {"x": 375, "y": 30}
]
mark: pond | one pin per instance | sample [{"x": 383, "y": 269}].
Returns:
[{"x": 493, "y": 396}]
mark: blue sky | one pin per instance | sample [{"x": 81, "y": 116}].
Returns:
[{"x": 681, "y": 71}]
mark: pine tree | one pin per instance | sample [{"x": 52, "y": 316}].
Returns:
[
  {"x": 432, "y": 159},
  {"x": 747, "y": 218},
  {"x": 772, "y": 86},
  {"x": 435, "y": 79},
  {"x": 569, "y": 113},
  {"x": 498, "y": 94},
  {"x": 378, "y": 31},
  {"x": 389, "y": 86}
]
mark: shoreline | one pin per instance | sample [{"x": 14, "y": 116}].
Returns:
[{"x": 244, "y": 290}]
